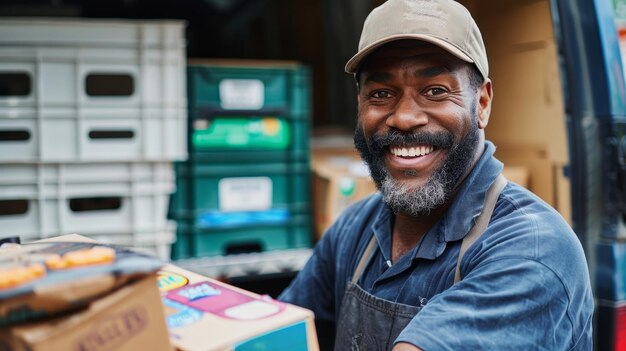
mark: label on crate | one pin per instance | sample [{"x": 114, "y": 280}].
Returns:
[
  {"x": 242, "y": 94},
  {"x": 241, "y": 132},
  {"x": 245, "y": 193},
  {"x": 214, "y": 219}
]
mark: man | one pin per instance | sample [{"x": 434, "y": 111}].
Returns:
[{"x": 448, "y": 255}]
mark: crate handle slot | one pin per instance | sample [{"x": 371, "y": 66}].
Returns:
[
  {"x": 211, "y": 112},
  {"x": 86, "y": 204},
  {"x": 14, "y": 135},
  {"x": 111, "y": 134},
  {"x": 109, "y": 84},
  {"x": 244, "y": 247},
  {"x": 13, "y": 207},
  {"x": 10, "y": 240},
  {"x": 15, "y": 84}
]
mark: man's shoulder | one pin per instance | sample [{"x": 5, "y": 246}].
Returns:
[
  {"x": 524, "y": 226},
  {"x": 520, "y": 204}
]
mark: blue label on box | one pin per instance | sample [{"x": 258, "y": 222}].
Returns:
[
  {"x": 199, "y": 291},
  {"x": 182, "y": 316}
]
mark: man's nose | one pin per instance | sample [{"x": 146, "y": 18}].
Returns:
[{"x": 407, "y": 114}]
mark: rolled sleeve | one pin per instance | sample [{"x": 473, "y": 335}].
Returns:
[{"x": 504, "y": 304}]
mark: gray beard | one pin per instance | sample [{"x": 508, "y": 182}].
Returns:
[{"x": 414, "y": 202}]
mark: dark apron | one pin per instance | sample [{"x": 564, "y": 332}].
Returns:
[{"x": 367, "y": 322}]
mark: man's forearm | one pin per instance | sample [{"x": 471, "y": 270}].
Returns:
[{"x": 402, "y": 346}]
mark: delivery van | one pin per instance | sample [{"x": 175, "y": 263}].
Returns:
[{"x": 559, "y": 123}]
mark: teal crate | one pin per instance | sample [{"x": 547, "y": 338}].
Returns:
[
  {"x": 278, "y": 88},
  {"x": 203, "y": 189},
  {"x": 254, "y": 157},
  {"x": 194, "y": 242},
  {"x": 248, "y": 108},
  {"x": 242, "y": 132}
]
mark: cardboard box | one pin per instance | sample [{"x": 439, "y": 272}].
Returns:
[
  {"x": 128, "y": 319},
  {"x": 207, "y": 315},
  {"x": 340, "y": 178},
  {"x": 517, "y": 174},
  {"x": 562, "y": 187},
  {"x": 535, "y": 160},
  {"x": 528, "y": 103}
]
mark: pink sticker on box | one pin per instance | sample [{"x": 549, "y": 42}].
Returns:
[{"x": 225, "y": 302}]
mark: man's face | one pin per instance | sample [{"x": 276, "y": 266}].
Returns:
[{"x": 418, "y": 124}]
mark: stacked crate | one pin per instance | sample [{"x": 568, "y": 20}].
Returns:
[
  {"x": 245, "y": 187},
  {"x": 92, "y": 116}
]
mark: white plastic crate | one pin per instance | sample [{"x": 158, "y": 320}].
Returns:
[
  {"x": 92, "y": 63},
  {"x": 16, "y": 174},
  {"x": 92, "y": 32},
  {"x": 60, "y": 136},
  {"x": 157, "y": 243},
  {"x": 92, "y": 206}
]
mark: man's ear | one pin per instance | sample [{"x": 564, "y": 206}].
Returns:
[{"x": 484, "y": 103}]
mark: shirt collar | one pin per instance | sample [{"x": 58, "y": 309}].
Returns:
[{"x": 458, "y": 220}]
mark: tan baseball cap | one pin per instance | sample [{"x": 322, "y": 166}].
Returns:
[{"x": 445, "y": 23}]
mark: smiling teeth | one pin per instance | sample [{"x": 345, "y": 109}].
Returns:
[{"x": 412, "y": 151}]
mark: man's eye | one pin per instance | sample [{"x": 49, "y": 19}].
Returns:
[
  {"x": 381, "y": 94},
  {"x": 435, "y": 91}
]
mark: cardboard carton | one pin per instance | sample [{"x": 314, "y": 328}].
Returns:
[
  {"x": 540, "y": 173},
  {"x": 563, "y": 201},
  {"x": 128, "y": 319},
  {"x": 528, "y": 120},
  {"x": 340, "y": 178},
  {"x": 517, "y": 174},
  {"x": 207, "y": 315}
]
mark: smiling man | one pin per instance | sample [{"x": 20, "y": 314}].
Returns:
[{"x": 448, "y": 255}]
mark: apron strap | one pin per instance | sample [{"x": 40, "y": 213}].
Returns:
[
  {"x": 364, "y": 258},
  {"x": 481, "y": 222}
]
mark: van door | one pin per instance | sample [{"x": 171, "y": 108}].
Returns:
[
  {"x": 558, "y": 122},
  {"x": 593, "y": 81}
]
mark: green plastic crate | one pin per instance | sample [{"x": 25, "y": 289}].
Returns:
[
  {"x": 203, "y": 188},
  {"x": 243, "y": 132},
  {"x": 268, "y": 107},
  {"x": 193, "y": 242},
  {"x": 251, "y": 157},
  {"x": 255, "y": 87}
]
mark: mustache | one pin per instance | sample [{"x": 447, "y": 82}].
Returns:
[{"x": 440, "y": 140}]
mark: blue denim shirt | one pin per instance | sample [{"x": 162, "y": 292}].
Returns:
[{"x": 525, "y": 281}]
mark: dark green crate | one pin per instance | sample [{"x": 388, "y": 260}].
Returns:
[
  {"x": 286, "y": 98},
  {"x": 286, "y": 87},
  {"x": 242, "y": 133},
  {"x": 197, "y": 185},
  {"x": 193, "y": 242},
  {"x": 254, "y": 157}
]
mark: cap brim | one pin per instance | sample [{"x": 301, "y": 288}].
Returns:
[{"x": 353, "y": 64}]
